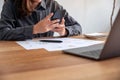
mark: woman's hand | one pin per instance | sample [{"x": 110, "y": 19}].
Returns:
[
  {"x": 45, "y": 25},
  {"x": 60, "y": 28}
]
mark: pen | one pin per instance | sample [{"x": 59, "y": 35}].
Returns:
[{"x": 52, "y": 41}]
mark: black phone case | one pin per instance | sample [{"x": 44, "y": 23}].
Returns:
[{"x": 59, "y": 14}]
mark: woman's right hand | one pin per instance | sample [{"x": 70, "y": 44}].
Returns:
[{"x": 45, "y": 25}]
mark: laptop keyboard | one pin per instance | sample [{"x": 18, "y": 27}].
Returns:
[{"x": 94, "y": 53}]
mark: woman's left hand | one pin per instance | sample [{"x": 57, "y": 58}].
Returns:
[{"x": 61, "y": 28}]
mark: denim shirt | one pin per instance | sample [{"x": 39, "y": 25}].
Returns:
[{"x": 14, "y": 28}]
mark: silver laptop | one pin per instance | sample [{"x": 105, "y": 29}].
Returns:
[{"x": 110, "y": 49}]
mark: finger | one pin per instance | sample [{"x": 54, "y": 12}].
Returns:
[
  {"x": 56, "y": 30},
  {"x": 54, "y": 25},
  {"x": 49, "y": 16},
  {"x": 63, "y": 21},
  {"x": 55, "y": 21}
]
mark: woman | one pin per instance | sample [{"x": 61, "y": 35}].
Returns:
[{"x": 27, "y": 19}]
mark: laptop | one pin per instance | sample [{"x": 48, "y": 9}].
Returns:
[{"x": 110, "y": 49}]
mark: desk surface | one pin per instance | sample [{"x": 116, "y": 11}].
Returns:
[{"x": 16, "y": 63}]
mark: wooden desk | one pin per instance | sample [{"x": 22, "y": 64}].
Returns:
[{"x": 16, "y": 63}]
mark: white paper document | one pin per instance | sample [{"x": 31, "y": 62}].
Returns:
[{"x": 67, "y": 43}]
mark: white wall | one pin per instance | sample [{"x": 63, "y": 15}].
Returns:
[
  {"x": 1, "y": 4},
  {"x": 93, "y": 15}
]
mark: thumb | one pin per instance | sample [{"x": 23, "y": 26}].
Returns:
[{"x": 63, "y": 21}]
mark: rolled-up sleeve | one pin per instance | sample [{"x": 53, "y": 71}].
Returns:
[{"x": 72, "y": 26}]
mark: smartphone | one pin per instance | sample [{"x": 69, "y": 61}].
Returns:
[{"x": 59, "y": 14}]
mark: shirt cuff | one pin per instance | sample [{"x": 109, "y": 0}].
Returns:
[
  {"x": 68, "y": 32},
  {"x": 28, "y": 32}
]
